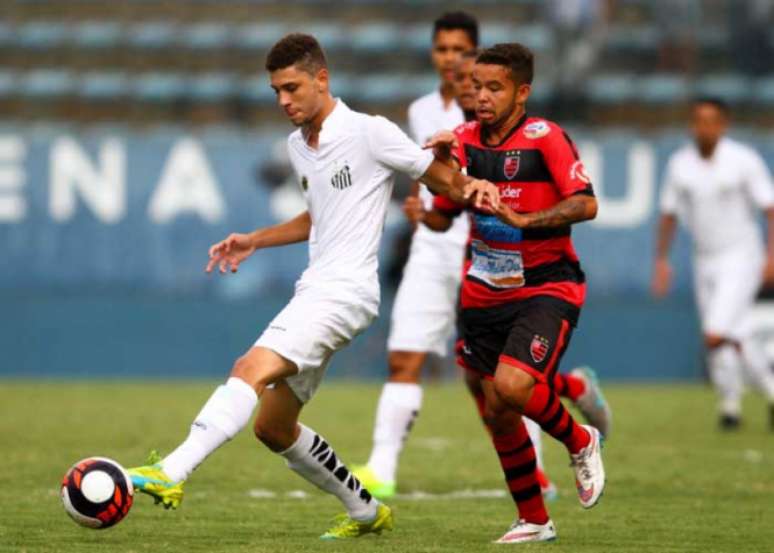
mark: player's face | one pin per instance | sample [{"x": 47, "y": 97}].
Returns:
[
  {"x": 464, "y": 91},
  {"x": 299, "y": 93},
  {"x": 497, "y": 96},
  {"x": 448, "y": 46},
  {"x": 708, "y": 124}
]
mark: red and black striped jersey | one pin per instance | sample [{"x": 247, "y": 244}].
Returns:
[{"x": 535, "y": 167}]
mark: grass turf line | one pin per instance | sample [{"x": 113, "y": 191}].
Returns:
[{"x": 674, "y": 482}]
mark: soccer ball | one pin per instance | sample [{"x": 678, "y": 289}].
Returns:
[{"x": 97, "y": 492}]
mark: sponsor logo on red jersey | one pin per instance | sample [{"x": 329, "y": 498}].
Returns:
[
  {"x": 536, "y": 129},
  {"x": 578, "y": 172}
]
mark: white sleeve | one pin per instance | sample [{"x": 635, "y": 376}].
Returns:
[
  {"x": 758, "y": 181},
  {"x": 391, "y": 147},
  {"x": 414, "y": 125},
  {"x": 669, "y": 195}
]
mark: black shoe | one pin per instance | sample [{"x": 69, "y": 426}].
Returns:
[{"x": 730, "y": 423}]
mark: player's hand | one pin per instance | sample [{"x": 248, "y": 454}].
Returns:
[
  {"x": 414, "y": 209},
  {"x": 442, "y": 143},
  {"x": 510, "y": 217},
  {"x": 768, "y": 272},
  {"x": 229, "y": 253},
  {"x": 483, "y": 195},
  {"x": 662, "y": 278}
]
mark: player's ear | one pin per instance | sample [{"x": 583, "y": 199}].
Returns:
[
  {"x": 322, "y": 81},
  {"x": 522, "y": 93}
]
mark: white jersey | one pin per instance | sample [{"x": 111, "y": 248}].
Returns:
[
  {"x": 347, "y": 182},
  {"x": 426, "y": 116},
  {"x": 719, "y": 199}
]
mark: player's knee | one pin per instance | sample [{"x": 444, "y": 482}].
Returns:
[
  {"x": 513, "y": 386},
  {"x": 405, "y": 367},
  {"x": 275, "y": 438}
]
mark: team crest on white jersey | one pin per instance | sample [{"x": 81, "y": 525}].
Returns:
[
  {"x": 536, "y": 129},
  {"x": 511, "y": 164},
  {"x": 304, "y": 183},
  {"x": 342, "y": 178}
]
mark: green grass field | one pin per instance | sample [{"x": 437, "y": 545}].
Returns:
[{"x": 674, "y": 482}]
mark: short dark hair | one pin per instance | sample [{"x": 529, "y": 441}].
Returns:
[
  {"x": 516, "y": 57},
  {"x": 296, "y": 49},
  {"x": 718, "y": 103},
  {"x": 452, "y": 21}
]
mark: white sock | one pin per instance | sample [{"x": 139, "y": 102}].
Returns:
[
  {"x": 312, "y": 458},
  {"x": 398, "y": 407},
  {"x": 226, "y": 412},
  {"x": 757, "y": 367},
  {"x": 536, "y": 436},
  {"x": 725, "y": 372}
]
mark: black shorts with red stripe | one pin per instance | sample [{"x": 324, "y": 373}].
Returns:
[{"x": 530, "y": 334}]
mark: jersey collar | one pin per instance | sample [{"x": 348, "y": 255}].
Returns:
[
  {"x": 335, "y": 120},
  {"x": 507, "y": 137}
]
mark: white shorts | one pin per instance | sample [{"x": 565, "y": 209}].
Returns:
[
  {"x": 726, "y": 286},
  {"x": 425, "y": 309},
  {"x": 310, "y": 329}
]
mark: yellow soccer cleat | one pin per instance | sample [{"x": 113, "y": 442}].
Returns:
[
  {"x": 151, "y": 479},
  {"x": 377, "y": 488},
  {"x": 348, "y": 528}
]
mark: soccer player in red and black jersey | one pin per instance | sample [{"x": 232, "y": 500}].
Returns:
[{"x": 523, "y": 290}]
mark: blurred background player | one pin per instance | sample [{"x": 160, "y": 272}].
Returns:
[
  {"x": 523, "y": 287},
  {"x": 424, "y": 312},
  {"x": 717, "y": 187},
  {"x": 393, "y": 420},
  {"x": 336, "y": 298}
]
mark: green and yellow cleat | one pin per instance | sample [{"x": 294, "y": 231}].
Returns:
[
  {"x": 346, "y": 527},
  {"x": 152, "y": 480},
  {"x": 380, "y": 490}
]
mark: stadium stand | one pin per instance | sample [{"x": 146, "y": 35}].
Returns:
[{"x": 181, "y": 54}]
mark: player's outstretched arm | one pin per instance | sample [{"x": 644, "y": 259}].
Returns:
[
  {"x": 415, "y": 211},
  {"x": 662, "y": 269},
  {"x": 459, "y": 188},
  {"x": 229, "y": 253},
  {"x": 573, "y": 209}
]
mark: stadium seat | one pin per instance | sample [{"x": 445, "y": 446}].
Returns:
[
  {"x": 630, "y": 38},
  {"x": 211, "y": 87},
  {"x": 259, "y": 36},
  {"x": 207, "y": 36},
  {"x": 375, "y": 37},
  {"x": 45, "y": 83},
  {"x": 662, "y": 89},
  {"x": 158, "y": 87},
  {"x": 8, "y": 83},
  {"x": 332, "y": 36},
  {"x": 380, "y": 88},
  {"x": 98, "y": 85},
  {"x": 609, "y": 89},
  {"x": 763, "y": 91},
  {"x": 7, "y": 33},
  {"x": 416, "y": 37},
  {"x": 42, "y": 35},
  {"x": 731, "y": 87},
  {"x": 96, "y": 34},
  {"x": 256, "y": 90},
  {"x": 153, "y": 35}
]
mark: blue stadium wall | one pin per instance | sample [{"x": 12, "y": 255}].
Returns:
[{"x": 104, "y": 234}]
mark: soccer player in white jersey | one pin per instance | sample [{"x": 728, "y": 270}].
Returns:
[
  {"x": 717, "y": 188},
  {"x": 345, "y": 163},
  {"x": 424, "y": 312}
]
